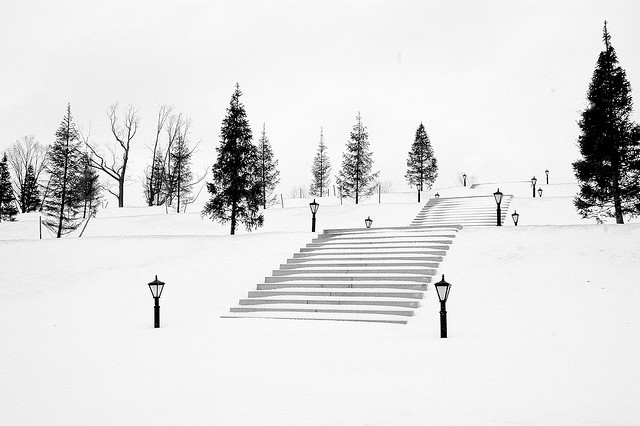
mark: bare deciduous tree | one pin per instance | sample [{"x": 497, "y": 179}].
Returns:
[
  {"x": 23, "y": 153},
  {"x": 114, "y": 165}
]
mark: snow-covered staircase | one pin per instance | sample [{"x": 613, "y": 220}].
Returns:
[
  {"x": 373, "y": 275},
  {"x": 370, "y": 275},
  {"x": 466, "y": 211}
]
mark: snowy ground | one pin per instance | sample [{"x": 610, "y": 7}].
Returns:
[{"x": 544, "y": 324}]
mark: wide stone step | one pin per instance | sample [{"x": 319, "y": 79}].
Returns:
[
  {"x": 386, "y": 247},
  {"x": 322, "y": 309},
  {"x": 353, "y": 270},
  {"x": 379, "y": 264},
  {"x": 345, "y": 231},
  {"x": 390, "y": 243},
  {"x": 381, "y": 237},
  {"x": 350, "y": 277},
  {"x": 358, "y": 318},
  {"x": 310, "y": 300},
  {"x": 357, "y": 292},
  {"x": 401, "y": 285},
  {"x": 308, "y": 258},
  {"x": 355, "y": 254}
]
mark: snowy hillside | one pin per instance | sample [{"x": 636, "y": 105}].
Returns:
[{"x": 544, "y": 324}]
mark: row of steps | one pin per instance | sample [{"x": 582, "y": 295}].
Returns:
[
  {"x": 466, "y": 211},
  {"x": 373, "y": 275}
]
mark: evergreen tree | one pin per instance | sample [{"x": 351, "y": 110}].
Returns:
[
  {"x": 30, "y": 194},
  {"x": 154, "y": 179},
  {"x": 236, "y": 189},
  {"x": 62, "y": 204},
  {"x": 355, "y": 178},
  {"x": 8, "y": 210},
  {"x": 267, "y": 171},
  {"x": 180, "y": 176},
  {"x": 88, "y": 189},
  {"x": 320, "y": 170},
  {"x": 422, "y": 167},
  {"x": 609, "y": 142}
]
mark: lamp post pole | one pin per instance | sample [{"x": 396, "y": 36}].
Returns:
[
  {"x": 533, "y": 182},
  {"x": 498, "y": 197},
  {"x": 546, "y": 172},
  {"x": 314, "y": 209},
  {"x": 443, "y": 288},
  {"x": 464, "y": 179},
  {"x": 156, "y": 313},
  {"x": 419, "y": 187},
  {"x": 156, "y": 287}
]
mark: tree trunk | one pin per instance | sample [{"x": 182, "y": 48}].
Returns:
[{"x": 233, "y": 217}]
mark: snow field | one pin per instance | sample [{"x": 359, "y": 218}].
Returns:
[{"x": 544, "y": 327}]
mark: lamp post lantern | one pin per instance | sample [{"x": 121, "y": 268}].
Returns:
[
  {"x": 533, "y": 183},
  {"x": 419, "y": 187},
  {"x": 464, "y": 179},
  {"x": 546, "y": 172},
  {"x": 498, "y": 196},
  {"x": 314, "y": 209},
  {"x": 443, "y": 288},
  {"x": 156, "y": 290},
  {"x": 368, "y": 222},
  {"x": 437, "y": 195},
  {"x": 515, "y": 216},
  {"x": 540, "y": 192}
]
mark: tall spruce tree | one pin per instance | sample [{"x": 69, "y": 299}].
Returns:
[
  {"x": 30, "y": 194},
  {"x": 180, "y": 176},
  {"x": 88, "y": 186},
  {"x": 8, "y": 210},
  {"x": 236, "y": 189},
  {"x": 267, "y": 169},
  {"x": 609, "y": 142},
  {"x": 62, "y": 205},
  {"x": 355, "y": 178},
  {"x": 320, "y": 171},
  {"x": 422, "y": 167}
]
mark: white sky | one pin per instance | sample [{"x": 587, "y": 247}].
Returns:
[{"x": 498, "y": 84}]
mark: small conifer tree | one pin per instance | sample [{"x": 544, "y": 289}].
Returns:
[
  {"x": 267, "y": 169},
  {"x": 8, "y": 210},
  {"x": 236, "y": 189},
  {"x": 62, "y": 205},
  {"x": 321, "y": 170},
  {"x": 609, "y": 171},
  {"x": 422, "y": 167},
  {"x": 30, "y": 195},
  {"x": 355, "y": 178}
]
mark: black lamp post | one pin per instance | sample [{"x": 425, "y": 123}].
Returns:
[
  {"x": 533, "y": 183},
  {"x": 368, "y": 222},
  {"x": 314, "y": 209},
  {"x": 443, "y": 288},
  {"x": 419, "y": 187},
  {"x": 437, "y": 195},
  {"x": 540, "y": 192},
  {"x": 464, "y": 179},
  {"x": 546, "y": 172},
  {"x": 156, "y": 290},
  {"x": 498, "y": 196},
  {"x": 515, "y": 216}
]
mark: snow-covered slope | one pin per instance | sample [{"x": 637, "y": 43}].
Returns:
[{"x": 544, "y": 325}]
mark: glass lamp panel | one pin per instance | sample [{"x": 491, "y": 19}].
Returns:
[
  {"x": 314, "y": 206},
  {"x": 498, "y": 196},
  {"x": 534, "y": 180},
  {"x": 515, "y": 217}
]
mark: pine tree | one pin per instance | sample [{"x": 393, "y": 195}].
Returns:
[
  {"x": 267, "y": 169},
  {"x": 320, "y": 170},
  {"x": 88, "y": 187},
  {"x": 422, "y": 167},
  {"x": 30, "y": 195},
  {"x": 609, "y": 142},
  {"x": 235, "y": 190},
  {"x": 8, "y": 210},
  {"x": 355, "y": 178},
  {"x": 62, "y": 207},
  {"x": 154, "y": 177},
  {"x": 180, "y": 176}
]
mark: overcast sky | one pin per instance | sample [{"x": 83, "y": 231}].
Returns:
[{"x": 499, "y": 85}]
